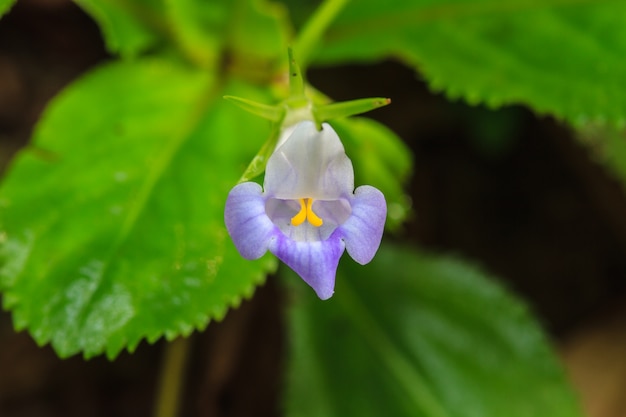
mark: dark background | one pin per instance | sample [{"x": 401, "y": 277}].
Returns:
[{"x": 510, "y": 190}]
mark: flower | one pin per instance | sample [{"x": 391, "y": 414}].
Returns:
[{"x": 308, "y": 211}]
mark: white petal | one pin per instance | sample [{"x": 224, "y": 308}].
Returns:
[{"x": 310, "y": 164}]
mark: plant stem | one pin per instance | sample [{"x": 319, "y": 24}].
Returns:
[
  {"x": 172, "y": 377},
  {"x": 314, "y": 29}
]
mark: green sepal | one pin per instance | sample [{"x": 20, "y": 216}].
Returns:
[
  {"x": 258, "y": 163},
  {"x": 296, "y": 80},
  {"x": 266, "y": 111},
  {"x": 347, "y": 108}
]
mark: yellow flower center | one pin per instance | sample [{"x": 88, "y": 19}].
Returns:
[{"x": 306, "y": 213}]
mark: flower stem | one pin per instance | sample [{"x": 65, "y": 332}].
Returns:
[
  {"x": 171, "y": 378},
  {"x": 314, "y": 29}
]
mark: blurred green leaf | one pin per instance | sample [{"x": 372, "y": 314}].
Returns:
[
  {"x": 200, "y": 28},
  {"x": 562, "y": 57},
  {"x": 254, "y": 33},
  {"x": 417, "y": 335},
  {"x": 111, "y": 223},
  {"x": 260, "y": 34},
  {"x": 380, "y": 159},
  {"x": 129, "y": 27},
  {"x": 250, "y": 36},
  {"x": 5, "y": 6},
  {"x": 300, "y": 11}
]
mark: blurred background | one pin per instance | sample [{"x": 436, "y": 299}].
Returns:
[{"x": 510, "y": 190}]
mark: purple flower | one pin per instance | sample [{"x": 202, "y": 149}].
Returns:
[{"x": 308, "y": 211}]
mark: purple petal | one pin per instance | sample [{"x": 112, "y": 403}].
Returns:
[
  {"x": 315, "y": 262},
  {"x": 246, "y": 221},
  {"x": 363, "y": 230}
]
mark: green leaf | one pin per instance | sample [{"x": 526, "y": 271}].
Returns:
[
  {"x": 253, "y": 33},
  {"x": 380, "y": 159},
  {"x": 260, "y": 32},
  {"x": 111, "y": 223},
  {"x": 417, "y": 335},
  {"x": 200, "y": 28},
  {"x": 562, "y": 57},
  {"x": 5, "y": 6},
  {"x": 128, "y": 27}
]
